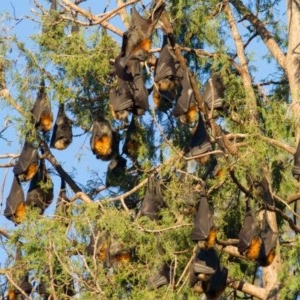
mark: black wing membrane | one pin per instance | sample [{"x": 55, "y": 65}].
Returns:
[
  {"x": 15, "y": 209},
  {"x": 40, "y": 192},
  {"x": 204, "y": 227},
  {"x": 200, "y": 142},
  {"x": 296, "y": 167},
  {"x": 186, "y": 107},
  {"x": 62, "y": 131},
  {"x": 27, "y": 164},
  {"x": 153, "y": 200},
  {"x": 269, "y": 242},
  {"x": 213, "y": 94},
  {"x": 116, "y": 171}
]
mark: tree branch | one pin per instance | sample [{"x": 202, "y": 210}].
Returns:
[{"x": 262, "y": 31}]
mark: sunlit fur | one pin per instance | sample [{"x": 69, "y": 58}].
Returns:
[
  {"x": 211, "y": 237},
  {"x": 20, "y": 213},
  {"x": 46, "y": 121},
  {"x": 62, "y": 143},
  {"x": 165, "y": 84},
  {"x": 254, "y": 248},
  {"x": 191, "y": 116},
  {"x": 143, "y": 45},
  {"x": 103, "y": 145},
  {"x": 123, "y": 257},
  {"x": 132, "y": 148},
  {"x": 30, "y": 172},
  {"x": 11, "y": 295},
  {"x": 266, "y": 261},
  {"x": 102, "y": 252}
]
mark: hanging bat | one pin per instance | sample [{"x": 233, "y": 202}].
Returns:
[
  {"x": 133, "y": 140},
  {"x": 204, "y": 228},
  {"x": 121, "y": 101},
  {"x": 167, "y": 74},
  {"x": 296, "y": 167},
  {"x": 27, "y": 164},
  {"x": 116, "y": 171},
  {"x": 99, "y": 246},
  {"x": 139, "y": 96},
  {"x": 62, "y": 201},
  {"x": 42, "y": 114},
  {"x": 214, "y": 92},
  {"x": 15, "y": 209},
  {"x": 200, "y": 142},
  {"x": 40, "y": 192},
  {"x": 249, "y": 239},
  {"x": 186, "y": 107},
  {"x": 160, "y": 278},
  {"x": 119, "y": 253},
  {"x": 269, "y": 242},
  {"x": 138, "y": 42},
  {"x": 126, "y": 69},
  {"x": 215, "y": 286},
  {"x": 22, "y": 281},
  {"x": 153, "y": 199},
  {"x": 62, "y": 131},
  {"x": 104, "y": 140},
  {"x": 204, "y": 266}
]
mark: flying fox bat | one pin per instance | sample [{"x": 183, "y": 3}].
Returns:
[
  {"x": 249, "y": 238},
  {"x": 22, "y": 281},
  {"x": 42, "y": 114},
  {"x": 121, "y": 100},
  {"x": 160, "y": 278},
  {"x": 153, "y": 199},
  {"x": 186, "y": 108},
  {"x": 269, "y": 242},
  {"x": 296, "y": 167},
  {"x": 204, "y": 227},
  {"x": 167, "y": 78},
  {"x": 213, "y": 94},
  {"x": 15, "y": 209},
  {"x": 27, "y": 164},
  {"x": 40, "y": 192},
  {"x": 99, "y": 246},
  {"x": 119, "y": 253},
  {"x": 104, "y": 140},
  {"x": 127, "y": 69},
  {"x": 215, "y": 286},
  {"x": 116, "y": 171},
  {"x": 167, "y": 70},
  {"x": 138, "y": 42},
  {"x": 200, "y": 142},
  {"x": 63, "y": 200},
  {"x": 204, "y": 265},
  {"x": 62, "y": 131},
  {"x": 139, "y": 95},
  {"x": 133, "y": 140}
]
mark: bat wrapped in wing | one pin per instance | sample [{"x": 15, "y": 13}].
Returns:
[
  {"x": 42, "y": 114},
  {"x": 27, "y": 164},
  {"x": 40, "y": 192},
  {"x": 62, "y": 132},
  {"x": 104, "y": 140},
  {"x": 204, "y": 228},
  {"x": 15, "y": 209}
]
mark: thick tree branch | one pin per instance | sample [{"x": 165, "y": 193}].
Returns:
[
  {"x": 245, "y": 74},
  {"x": 262, "y": 31}
]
